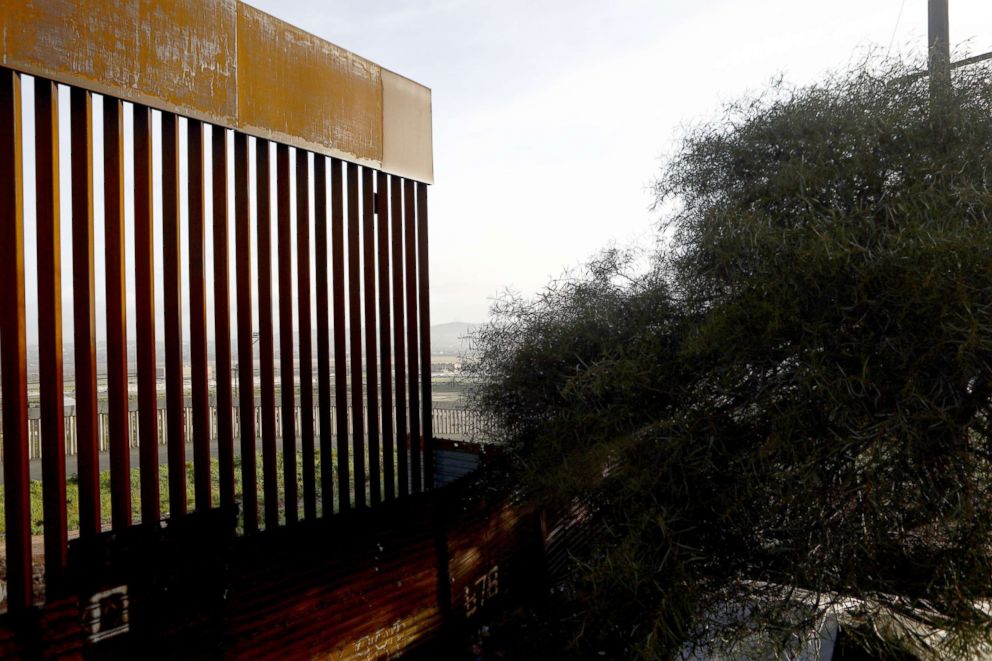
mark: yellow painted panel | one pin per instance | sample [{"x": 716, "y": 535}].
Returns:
[
  {"x": 174, "y": 54},
  {"x": 295, "y": 87}
]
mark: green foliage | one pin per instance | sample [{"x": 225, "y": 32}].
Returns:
[{"x": 789, "y": 411}]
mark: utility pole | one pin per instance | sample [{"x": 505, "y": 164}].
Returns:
[{"x": 939, "y": 58}]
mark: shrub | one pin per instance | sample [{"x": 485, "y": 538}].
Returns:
[{"x": 789, "y": 411}]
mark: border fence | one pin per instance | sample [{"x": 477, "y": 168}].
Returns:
[
  {"x": 246, "y": 165},
  {"x": 459, "y": 424}
]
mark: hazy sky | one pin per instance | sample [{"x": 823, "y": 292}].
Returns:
[{"x": 551, "y": 118}]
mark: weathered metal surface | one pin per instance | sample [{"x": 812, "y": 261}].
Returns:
[
  {"x": 327, "y": 96},
  {"x": 323, "y": 332},
  {"x": 222, "y": 318},
  {"x": 406, "y": 128},
  {"x": 399, "y": 353},
  {"x": 412, "y": 335},
  {"x": 305, "y": 325},
  {"x": 84, "y": 313},
  {"x": 172, "y": 303},
  {"x": 340, "y": 360},
  {"x": 266, "y": 350},
  {"x": 13, "y": 358},
  {"x": 246, "y": 368},
  {"x": 49, "y": 234},
  {"x": 355, "y": 333},
  {"x": 385, "y": 351},
  {"x": 423, "y": 265},
  {"x": 144, "y": 298},
  {"x": 368, "y": 584},
  {"x": 117, "y": 378},
  {"x": 198, "y": 314},
  {"x": 176, "y": 55},
  {"x": 228, "y": 63},
  {"x": 371, "y": 325},
  {"x": 453, "y": 461},
  {"x": 285, "y": 279}
]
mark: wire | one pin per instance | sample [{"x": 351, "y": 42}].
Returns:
[{"x": 892, "y": 39}]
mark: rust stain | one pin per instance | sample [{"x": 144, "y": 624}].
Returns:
[
  {"x": 175, "y": 54},
  {"x": 230, "y": 64},
  {"x": 327, "y": 95}
]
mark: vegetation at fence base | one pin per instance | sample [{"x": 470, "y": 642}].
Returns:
[
  {"x": 72, "y": 492},
  {"x": 788, "y": 412}
]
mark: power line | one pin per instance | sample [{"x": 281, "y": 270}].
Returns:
[{"x": 892, "y": 39}]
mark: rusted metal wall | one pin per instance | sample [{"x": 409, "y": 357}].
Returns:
[
  {"x": 365, "y": 585},
  {"x": 227, "y": 63},
  {"x": 279, "y": 94}
]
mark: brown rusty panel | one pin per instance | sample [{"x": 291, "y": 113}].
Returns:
[
  {"x": 177, "y": 55},
  {"x": 227, "y": 63},
  {"x": 362, "y": 587},
  {"x": 49, "y": 234},
  {"x": 55, "y": 632},
  {"x": 144, "y": 308},
  {"x": 222, "y": 317},
  {"x": 305, "y": 328},
  {"x": 371, "y": 364},
  {"x": 492, "y": 549},
  {"x": 412, "y": 336},
  {"x": 423, "y": 271},
  {"x": 328, "y": 98},
  {"x": 399, "y": 326},
  {"x": 355, "y": 332},
  {"x": 340, "y": 360},
  {"x": 287, "y": 385},
  {"x": 13, "y": 358},
  {"x": 266, "y": 346},
  {"x": 200, "y": 384},
  {"x": 323, "y": 333},
  {"x": 175, "y": 400},
  {"x": 385, "y": 351},
  {"x": 117, "y": 379},
  {"x": 246, "y": 370},
  {"x": 84, "y": 310}
]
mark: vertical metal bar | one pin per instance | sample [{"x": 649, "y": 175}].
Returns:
[
  {"x": 246, "y": 361},
  {"x": 287, "y": 379},
  {"x": 305, "y": 325},
  {"x": 385, "y": 362},
  {"x": 84, "y": 336},
  {"x": 266, "y": 350},
  {"x": 412, "y": 343},
  {"x": 46, "y": 118},
  {"x": 198, "y": 316},
  {"x": 399, "y": 353},
  {"x": 355, "y": 330},
  {"x": 144, "y": 309},
  {"x": 13, "y": 358},
  {"x": 423, "y": 271},
  {"x": 371, "y": 364},
  {"x": 222, "y": 318},
  {"x": 117, "y": 386},
  {"x": 340, "y": 366},
  {"x": 323, "y": 334},
  {"x": 175, "y": 400}
]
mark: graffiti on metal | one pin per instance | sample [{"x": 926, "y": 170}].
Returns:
[{"x": 482, "y": 589}]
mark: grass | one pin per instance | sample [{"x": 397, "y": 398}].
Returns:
[{"x": 72, "y": 492}]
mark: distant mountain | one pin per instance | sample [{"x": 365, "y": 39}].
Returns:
[{"x": 451, "y": 338}]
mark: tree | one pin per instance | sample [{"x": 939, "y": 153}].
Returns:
[{"x": 789, "y": 412}]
